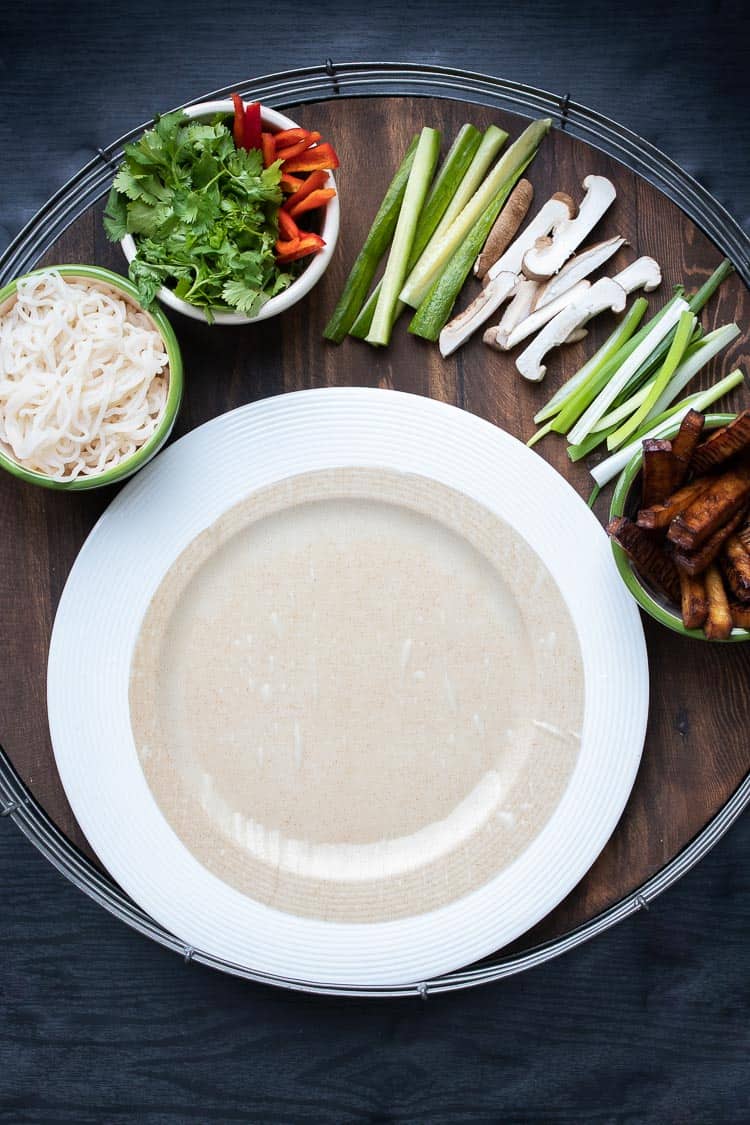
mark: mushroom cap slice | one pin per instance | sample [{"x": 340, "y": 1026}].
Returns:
[
  {"x": 556, "y": 211},
  {"x": 518, "y": 310},
  {"x": 643, "y": 273},
  {"x": 603, "y": 294},
  {"x": 458, "y": 331},
  {"x": 546, "y": 258},
  {"x": 582, "y": 264}
]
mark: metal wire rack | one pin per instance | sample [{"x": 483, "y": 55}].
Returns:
[{"x": 367, "y": 79}]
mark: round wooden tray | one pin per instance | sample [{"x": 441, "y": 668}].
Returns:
[{"x": 694, "y": 776}]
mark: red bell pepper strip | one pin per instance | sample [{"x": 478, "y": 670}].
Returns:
[
  {"x": 313, "y": 182},
  {"x": 291, "y": 184},
  {"x": 322, "y": 156},
  {"x": 312, "y": 201},
  {"x": 291, "y": 151},
  {"x": 238, "y": 130},
  {"x": 288, "y": 229},
  {"x": 284, "y": 248},
  {"x": 308, "y": 244},
  {"x": 252, "y": 130},
  {"x": 286, "y": 137},
  {"x": 269, "y": 149}
]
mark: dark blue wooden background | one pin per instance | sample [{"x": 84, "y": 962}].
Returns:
[{"x": 649, "y": 1023}]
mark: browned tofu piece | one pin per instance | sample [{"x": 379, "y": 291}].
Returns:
[
  {"x": 735, "y": 562},
  {"x": 719, "y": 622},
  {"x": 694, "y": 601},
  {"x": 723, "y": 444},
  {"x": 740, "y": 615},
  {"x": 684, "y": 443},
  {"x": 658, "y": 517},
  {"x": 695, "y": 562},
  {"x": 715, "y": 507},
  {"x": 658, "y": 473},
  {"x": 744, "y": 535},
  {"x": 650, "y": 560}
]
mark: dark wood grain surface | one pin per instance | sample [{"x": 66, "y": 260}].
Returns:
[{"x": 696, "y": 750}]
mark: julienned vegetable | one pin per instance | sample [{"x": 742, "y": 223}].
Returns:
[
  {"x": 292, "y": 149},
  {"x": 461, "y": 186},
  {"x": 678, "y": 347},
  {"x": 563, "y": 413},
  {"x": 449, "y": 180},
  {"x": 441, "y": 248},
  {"x": 422, "y": 169},
  {"x": 375, "y": 245},
  {"x": 435, "y": 309},
  {"x": 609, "y": 348},
  {"x": 451, "y": 224}
]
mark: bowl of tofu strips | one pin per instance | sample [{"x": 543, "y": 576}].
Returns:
[{"x": 680, "y": 527}]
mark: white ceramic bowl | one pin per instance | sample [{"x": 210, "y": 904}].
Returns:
[{"x": 273, "y": 121}]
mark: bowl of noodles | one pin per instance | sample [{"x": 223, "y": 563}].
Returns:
[{"x": 90, "y": 383}]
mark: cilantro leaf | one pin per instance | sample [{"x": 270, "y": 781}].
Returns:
[{"x": 116, "y": 216}]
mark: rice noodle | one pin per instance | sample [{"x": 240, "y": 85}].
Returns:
[{"x": 83, "y": 377}]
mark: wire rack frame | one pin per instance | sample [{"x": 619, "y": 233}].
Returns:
[{"x": 303, "y": 86}]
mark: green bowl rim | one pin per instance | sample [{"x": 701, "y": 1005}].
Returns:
[
  {"x": 645, "y": 600},
  {"x": 174, "y": 394}
]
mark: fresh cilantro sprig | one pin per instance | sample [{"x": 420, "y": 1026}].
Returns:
[{"x": 203, "y": 215}]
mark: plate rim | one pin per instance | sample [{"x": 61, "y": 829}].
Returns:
[{"x": 292, "y": 409}]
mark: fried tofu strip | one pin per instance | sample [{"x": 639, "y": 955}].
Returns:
[
  {"x": 658, "y": 517},
  {"x": 719, "y": 622},
  {"x": 695, "y": 562},
  {"x": 740, "y": 615},
  {"x": 694, "y": 601},
  {"x": 735, "y": 563},
  {"x": 650, "y": 560},
  {"x": 659, "y": 472},
  {"x": 744, "y": 536},
  {"x": 723, "y": 444},
  {"x": 715, "y": 507},
  {"x": 684, "y": 444}
]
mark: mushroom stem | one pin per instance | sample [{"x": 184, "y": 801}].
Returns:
[{"x": 542, "y": 316}]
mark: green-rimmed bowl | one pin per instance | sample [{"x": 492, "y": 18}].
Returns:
[
  {"x": 625, "y": 503},
  {"x": 123, "y": 288}
]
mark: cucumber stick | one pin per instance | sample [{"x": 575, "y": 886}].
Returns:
[
  {"x": 440, "y": 250},
  {"x": 460, "y": 159},
  {"x": 454, "y": 169},
  {"x": 375, "y": 245},
  {"x": 491, "y": 143},
  {"x": 434, "y": 311},
  {"x": 422, "y": 170}
]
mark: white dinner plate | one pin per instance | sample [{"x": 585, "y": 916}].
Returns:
[{"x": 155, "y": 521}]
